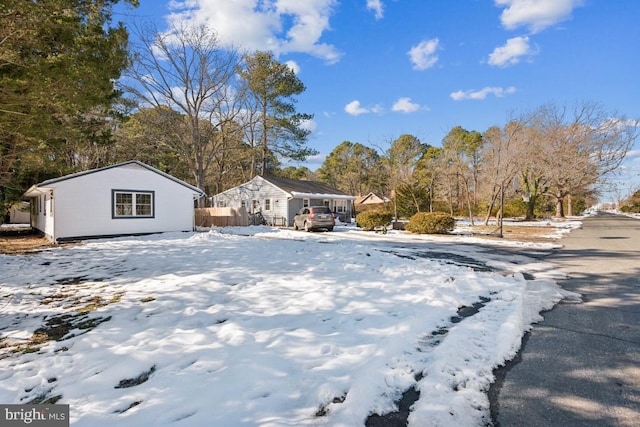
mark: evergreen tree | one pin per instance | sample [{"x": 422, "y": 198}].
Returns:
[
  {"x": 279, "y": 128},
  {"x": 58, "y": 62}
]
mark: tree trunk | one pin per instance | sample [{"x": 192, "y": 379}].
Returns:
[
  {"x": 569, "y": 205},
  {"x": 559, "y": 207},
  {"x": 469, "y": 209},
  {"x": 416, "y": 202},
  {"x": 265, "y": 142},
  {"x": 531, "y": 203},
  {"x": 431, "y": 196},
  {"x": 200, "y": 184},
  {"x": 492, "y": 204}
]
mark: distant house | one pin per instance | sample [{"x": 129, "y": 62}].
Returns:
[
  {"x": 18, "y": 213},
  {"x": 371, "y": 199},
  {"x": 279, "y": 199},
  {"x": 124, "y": 199}
]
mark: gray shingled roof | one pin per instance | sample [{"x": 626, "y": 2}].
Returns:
[
  {"x": 312, "y": 187},
  {"x": 135, "y": 162}
]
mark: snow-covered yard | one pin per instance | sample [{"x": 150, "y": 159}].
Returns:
[{"x": 266, "y": 327}]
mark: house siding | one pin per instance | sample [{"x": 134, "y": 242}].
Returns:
[
  {"x": 295, "y": 205},
  {"x": 261, "y": 190}
]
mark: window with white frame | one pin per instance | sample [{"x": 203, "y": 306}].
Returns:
[
  {"x": 267, "y": 204},
  {"x": 305, "y": 203},
  {"x": 341, "y": 206},
  {"x": 133, "y": 204}
]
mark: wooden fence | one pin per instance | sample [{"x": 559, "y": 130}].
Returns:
[{"x": 221, "y": 217}]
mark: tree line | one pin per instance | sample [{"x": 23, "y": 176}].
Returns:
[
  {"x": 77, "y": 94},
  {"x": 544, "y": 161}
]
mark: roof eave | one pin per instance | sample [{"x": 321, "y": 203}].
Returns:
[
  {"x": 35, "y": 191},
  {"x": 321, "y": 196}
]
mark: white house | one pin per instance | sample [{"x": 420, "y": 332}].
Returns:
[
  {"x": 279, "y": 199},
  {"x": 124, "y": 199}
]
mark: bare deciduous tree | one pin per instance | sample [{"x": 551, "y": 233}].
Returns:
[
  {"x": 188, "y": 71},
  {"x": 500, "y": 163},
  {"x": 577, "y": 147}
]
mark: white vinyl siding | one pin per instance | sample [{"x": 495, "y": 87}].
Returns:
[{"x": 85, "y": 205}]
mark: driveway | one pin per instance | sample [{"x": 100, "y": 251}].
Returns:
[{"x": 581, "y": 366}]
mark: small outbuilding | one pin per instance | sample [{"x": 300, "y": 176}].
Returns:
[
  {"x": 279, "y": 199},
  {"x": 129, "y": 198},
  {"x": 18, "y": 213}
]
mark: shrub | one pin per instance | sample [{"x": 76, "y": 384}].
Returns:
[
  {"x": 369, "y": 220},
  {"x": 513, "y": 208},
  {"x": 431, "y": 223}
]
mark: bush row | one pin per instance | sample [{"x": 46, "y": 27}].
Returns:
[{"x": 420, "y": 223}]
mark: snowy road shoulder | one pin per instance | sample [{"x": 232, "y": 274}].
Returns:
[{"x": 222, "y": 329}]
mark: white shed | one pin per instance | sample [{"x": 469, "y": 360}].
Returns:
[
  {"x": 124, "y": 199},
  {"x": 278, "y": 199},
  {"x": 18, "y": 213}
]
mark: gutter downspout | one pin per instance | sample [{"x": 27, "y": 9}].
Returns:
[{"x": 196, "y": 196}]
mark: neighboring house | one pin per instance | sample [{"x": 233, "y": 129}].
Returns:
[
  {"x": 279, "y": 199},
  {"x": 125, "y": 199},
  {"x": 18, "y": 213},
  {"x": 371, "y": 199}
]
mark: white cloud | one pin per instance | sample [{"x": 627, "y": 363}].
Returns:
[
  {"x": 404, "y": 105},
  {"x": 318, "y": 159},
  {"x": 354, "y": 108},
  {"x": 511, "y": 52},
  {"x": 377, "y": 109},
  {"x": 281, "y": 26},
  {"x": 309, "y": 125},
  {"x": 377, "y": 7},
  {"x": 423, "y": 55},
  {"x": 294, "y": 66},
  {"x": 535, "y": 14},
  {"x": 482, "y": 94}
]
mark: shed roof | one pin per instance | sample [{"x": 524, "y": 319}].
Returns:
[
  {"x": 48, "y": 182},
  {"x": 371, "y": 198}
]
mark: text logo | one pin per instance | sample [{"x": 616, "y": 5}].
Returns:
[{"x": 34, "y": 415}]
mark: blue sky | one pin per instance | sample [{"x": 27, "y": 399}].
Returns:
[{"x": 375, "y": 69}]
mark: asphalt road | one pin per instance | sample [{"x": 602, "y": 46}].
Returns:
[{"x": 581, "y": 365}]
